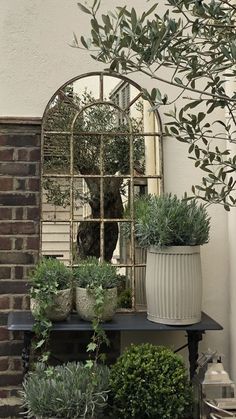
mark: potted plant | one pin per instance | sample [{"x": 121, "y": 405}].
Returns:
[
  {"x": 172, "y": 230},
  {"x": 68, "y": 391},
  {"x": 96, "y": 289},
  {"x": 50, "y": 299},
  {"x": 51, "y": 290},
  {"x": 149, "y": 381}
]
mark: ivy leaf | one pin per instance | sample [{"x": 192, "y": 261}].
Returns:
[
  {"x": 89, "y": 363},
  {"x": 91, "y": 347}
]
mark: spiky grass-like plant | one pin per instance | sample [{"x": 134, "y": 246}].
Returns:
[{"x": 68, "y": 391}]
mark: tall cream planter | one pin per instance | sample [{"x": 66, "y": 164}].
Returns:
[{"x": 174, "y": 285}]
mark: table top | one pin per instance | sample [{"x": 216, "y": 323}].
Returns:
[{"x": 23, "y": 321}]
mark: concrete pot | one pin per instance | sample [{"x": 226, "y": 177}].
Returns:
[
  {"x": 174, "y": 285},
  {"x": 85, "y": 304},
  {"x": 59, "y": 309}
]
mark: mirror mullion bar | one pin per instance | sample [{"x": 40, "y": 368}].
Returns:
[{"x": 102, "y": 198}]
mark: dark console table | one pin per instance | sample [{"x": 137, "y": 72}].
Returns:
[{"x": 23, "y": 321}]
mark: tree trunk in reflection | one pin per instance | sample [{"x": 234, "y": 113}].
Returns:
[{"x": 89, "y": 233}]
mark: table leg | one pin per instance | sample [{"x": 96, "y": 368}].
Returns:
[
  {"x": 26, "y": 351},
  {"x": 194, "y": 338}
]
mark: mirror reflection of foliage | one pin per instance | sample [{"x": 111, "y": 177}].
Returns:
[
  {"x": 91, "y": 158},
  {"x": 58, "y": 193},
  {"x": 97, "y": 118}
]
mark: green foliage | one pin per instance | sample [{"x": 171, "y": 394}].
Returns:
[
  {"x": 93, "y": 274},
  {"x": 125, "y": 299},
  {"x": 168, "y": 221},
  {"x": 149, "y": 382},
  {"x": 48, "y": 277},
  {"x": 97, "y": 277},
  {"x": 196, "y": 42},
  {"x": 68, "y": 391},
  {"x": 94, "y": 119}
]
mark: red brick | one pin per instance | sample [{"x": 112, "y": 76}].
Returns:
[
  {"x": 17, "y": 303},
  {"x": 14, "y": 228},
  {"x": 18, "y": 169},
  {"x": 4, "y": 394},
  {"x": 5, "y": 243},
  {"x": 22, "y": 154},
  {"x": 16, "y": 258},
  {"x": 4, "y": 364},
  {"x": 5, "y": 213},
  {"x": 5, "y": 272},
  {"x": 19, "y": 273},
  {"x": 10, "y": 410},
  {"x": 32, "y": 243},
  {"x": 4, "y": 334},
  {"x": 35, "y": 155},
  {"x": 6, "y": 184},
  {"x": 33, "y": 213},
  {"x": 13, "y": 287},
  {"x": 17, "y": 364},
  {"x": 19, "y": 242},
  {"x": 19, "y": 184},
  {"x": 4, "y": 302},
  {"x": 10, "y": 379},
  {"x": 6, "y": 154},
  {"x": 19, "y": 213},
  {"x": 19, "y": 140},
  {"x": 34, "y": 184},
  {"x": 14, "y": 199}
]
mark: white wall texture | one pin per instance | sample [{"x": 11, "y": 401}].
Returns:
[{"x": 35, "y": 60}]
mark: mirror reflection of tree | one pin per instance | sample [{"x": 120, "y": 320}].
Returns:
[{"x": 101, "y": 146}]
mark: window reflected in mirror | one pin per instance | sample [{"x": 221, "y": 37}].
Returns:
[{"x": 101, "y": 148}]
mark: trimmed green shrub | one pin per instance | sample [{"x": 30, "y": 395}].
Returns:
[
  {"x": 149, "y": 381},
  {"x": 68, "y": 391}
]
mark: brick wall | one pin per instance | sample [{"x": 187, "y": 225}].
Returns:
[
  {"x": 19, "y": 250},
  {"x": 19, "y": 240}
]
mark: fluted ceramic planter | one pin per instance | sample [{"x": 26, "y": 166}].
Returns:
[
  {"x": 174, "y": 285},
  {"x": 59, "y": 309},
  {"x": 85, "y": 304}
]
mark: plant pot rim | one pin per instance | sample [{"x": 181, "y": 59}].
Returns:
[
  {"x": 87, "y": 289},
  {"x": 62, "y": 289},
  {"x": 175, "y": 249}
]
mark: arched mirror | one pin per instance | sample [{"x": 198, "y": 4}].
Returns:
[{"x": 101, "y": 147}]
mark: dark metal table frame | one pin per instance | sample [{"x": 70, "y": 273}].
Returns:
[{"x": 23, "y": 321}]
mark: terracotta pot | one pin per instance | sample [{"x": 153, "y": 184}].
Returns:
[
  {"x": 174, "y": 285},
  {"x": 60, "y": 308},
  {"x": 85, "y": 304}
]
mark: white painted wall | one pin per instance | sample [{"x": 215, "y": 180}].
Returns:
[{"x": 36, "y": 59}]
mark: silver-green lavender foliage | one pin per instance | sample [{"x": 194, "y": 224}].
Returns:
[
  {"x": 68, "y": 391},
  {"x": 91, "y": 273},
  {"x": 168, "y": 221}
]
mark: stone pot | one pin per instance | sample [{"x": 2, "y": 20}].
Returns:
[
  {"x": 174, "y": 285},
  {"x": 59, "y": 309},
  {"x": 85, "y": 304}
]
